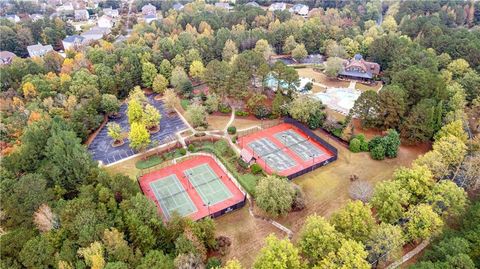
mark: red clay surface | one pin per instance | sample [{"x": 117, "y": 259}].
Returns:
[
  {"x": 269, "y": 133},
  {"x": 178, "y": 169}
]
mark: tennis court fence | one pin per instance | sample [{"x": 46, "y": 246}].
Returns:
[{"x": 319, "y": 140}]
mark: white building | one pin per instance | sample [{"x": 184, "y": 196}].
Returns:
[
  {"x": 73, "y": 41},
  {"x": 223, "y": 5},
  {"x": 81, "y": 15},
  {"x": 38, "y": 50},
  {"x": 277, "y": 6},
  {"x": 64, "y": 9},
  {"x": 177, "y": 6},
  {"x": 149, "y": 10},
  {"x": 113, "y": 13},
  {"x": 95, "y": 33},
  {"x": 105, "y": 22},
  {"x": 13, "y": 18},
  {"x": 6, "y": 57},
  {"x": 300, "y": 9}
]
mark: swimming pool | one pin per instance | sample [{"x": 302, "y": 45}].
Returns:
[{"x": 339, "y": 99}]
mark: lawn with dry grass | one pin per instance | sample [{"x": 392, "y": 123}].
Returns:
[
  {"x": 126, "y": 167},
  {"x": 321, "y": 78},
  {"x": 326, "y": 191},
  {"x": 248, "y": 122},
  {"x": 217, "y": 122}
]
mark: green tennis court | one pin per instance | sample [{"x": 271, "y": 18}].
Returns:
[
  {"x": 207, "y": 184},
  {"x": 172, "y": 196},
  {"x": 300, "y": 145}
]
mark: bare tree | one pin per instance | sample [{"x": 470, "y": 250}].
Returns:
[
  {"x": 468, "y": 176},
  {"x": 45, "y": 219},
  {"x": 361, "y": 190}
]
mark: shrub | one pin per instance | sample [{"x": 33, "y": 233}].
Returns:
[
  {"x": 242, "y": 163},
  {"x": 256, "y": 169},
  {"x": 241, "y": 113},
  {"x": 182, "y": 151},
  {"x": 234, "y": 139},
  {"x": 377, "y": 140},
  {"x": 363, "y": 142},
  {"x": 224, "y": 108},
  {"x": 232, "y": 130},
  {"x": 261, "y": 112},
  {"x": 213, "y": 263},
  {"x": 355, "y": 145},
  {"x": 299, "y": 199},
  {"x": 378, "y": 152},
  {"x": 191, "y": 148}
]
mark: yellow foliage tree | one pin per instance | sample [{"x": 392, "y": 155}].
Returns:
[{"x": 29, "y": 90}]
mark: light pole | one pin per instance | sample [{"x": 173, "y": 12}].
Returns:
[{"x": 208, "y": 207}]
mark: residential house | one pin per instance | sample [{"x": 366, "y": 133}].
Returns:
[
  {"x": 13, "y": 18},
  {"x": 81, "y": 15},
  {"x": 178, "y": 6},
  {"x": 149, "y": 18},
  {"x": 300, "y": 9},
  {"x": 113, "y": 13},
  {"x": 95, "y": 33},
  {"x": 65, "y": 9},
  {"x": 252, "y": 4},
  {"x": 223, "y": 5},
  {"x": 72, "y": 42},
  {"x": 359, "y": 69},
  {"x": 277, "y": 6},
  {"x": 149, "y": 10},
  {"x": 36, "y": 17},
  {"x": 39, "y": 50},
  {"x": 105, "y": 22},
  {"x": 6, "y": 57}
]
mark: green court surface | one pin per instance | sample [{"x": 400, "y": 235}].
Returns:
[
  {"x": 301, "y": 146},
  {"x": 207, "y": 184},
  {"x": 172, "y": 196}
]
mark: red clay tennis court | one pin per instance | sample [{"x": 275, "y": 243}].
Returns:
[
  {"x": 194, "y": 188},
  {"x": 286, "y": 150}
]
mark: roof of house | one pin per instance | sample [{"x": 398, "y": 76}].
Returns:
[
  {"x": 96, "y": 31},
  {"x": 73, "y": 38},
  {"x": 299, "y": 7},
  {"x": 6, "y": 54},
  {"x": 252, "y": 4},
  {"x": 277, "y": 6},
  {"x": 177, "y": 6},
  {"x": 149, "y": 6},
  {"x": 223, "y": 5},
  {"x": 246, "y": 155},
  {"x": 358, "y": 67},
  {"x": 38, "y": 49}
]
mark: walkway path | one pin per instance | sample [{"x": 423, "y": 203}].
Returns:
[
  {"x": 409, "y": 255},
  {"x": 319, "y": 84},
  {"x": 274, "y": 223},
  {"x": 352, "y": 84},
  {"x": 232, "y": 118}
]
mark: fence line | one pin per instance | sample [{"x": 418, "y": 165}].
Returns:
[{"x": 319, "y": 140}]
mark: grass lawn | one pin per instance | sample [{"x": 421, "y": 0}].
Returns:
[
  {"x": 127, "y": 167},
  {"x": 243, "y": 123},
  {"x": 217, "y": 122},
  {"x": 326, "y": 190},
  {"x": 321, "y": 78}
]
